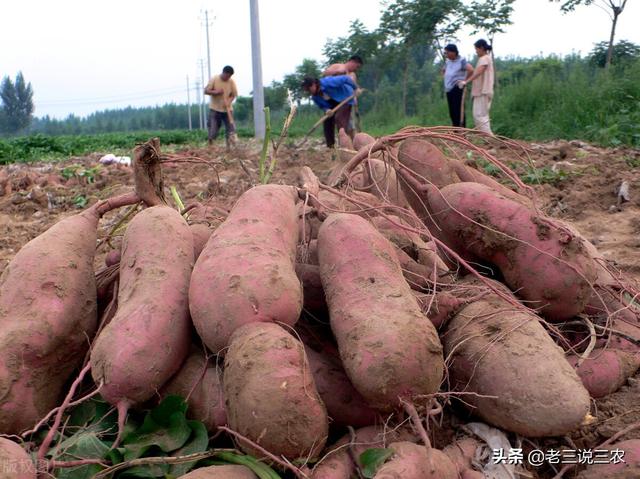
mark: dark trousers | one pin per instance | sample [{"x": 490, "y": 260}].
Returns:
[
  {"x": 216, "y": 119},
  {"x": 341, "y": 119},
  {"x": 454, "y": 98}
]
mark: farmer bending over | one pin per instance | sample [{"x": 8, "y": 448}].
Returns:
[
  {"x": 223, "y": 91},
  {"x": 327, "y": 93}
]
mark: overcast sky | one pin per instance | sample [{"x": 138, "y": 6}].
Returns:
[{"x": 83, "y": 56}]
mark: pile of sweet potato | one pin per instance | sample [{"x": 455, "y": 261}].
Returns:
[{"x": 312, "y": 313}]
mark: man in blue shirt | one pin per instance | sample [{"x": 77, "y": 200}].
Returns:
[{"x": 327, "y": 93}]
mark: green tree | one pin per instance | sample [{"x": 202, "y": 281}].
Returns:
[
  {"x": 292, "y": 81},
  {"x": 622, "y": 51},
  {"x": 17, "y": 104},
  {"x": 613, "y": 8},
  {"x": 275, "y": 95},
  {"x": 488, "y": 16},
  {"x": 413, "y": 25}
]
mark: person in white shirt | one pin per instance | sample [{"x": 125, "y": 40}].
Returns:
[{"x": 482, "y": 89}]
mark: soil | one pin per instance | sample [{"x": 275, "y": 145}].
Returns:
[{"x": 582, "y": 191}]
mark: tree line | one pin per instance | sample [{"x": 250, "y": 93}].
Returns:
[{"x": 400, "y": 74}]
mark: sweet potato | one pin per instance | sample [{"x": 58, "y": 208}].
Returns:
[
  {"x": 338, "y": 462},
  {"x": 462, "y": 453},
  {"x": 425, "y": 161},
  {"x": 199, "y": 381},
  {"x": 246, "y": 272},
  {"x": 270, "y": 394},
  {"x": 469, "y": 174},
  {"x": 439, "y": 308},
  {"x": 15, "y": 463},
  {"x": 497, "y": 350},
  {"x": 545, "y": 264},
  {"x": 345, "y": 406},
  {"x": 389, "y": 349},
  {"x": 148, "y": 339},
  {"x": 361, "y": 140},
  {"x": 221, "y": 472},
  {"x": 47, "y": 317},
  {"x": 605, "y": 371},
  {"x": 380, "y": 179},
  {"x": 112, "y": 257},
  {"x": 412, "y": 461},
  {"x": 627, "y": 465},
  {"x": 201, "y": 234}
]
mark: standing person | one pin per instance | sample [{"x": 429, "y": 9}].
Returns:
[
  {"x": 349, "y": 68},
  {"x": 455, "y": 70},
  {"x": 223, "y": 91},
  {"x": 327, "y": 93},
  {"x": 482, "y": 89}
]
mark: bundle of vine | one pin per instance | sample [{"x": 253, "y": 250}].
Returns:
[{"x": 407, "y": 287}]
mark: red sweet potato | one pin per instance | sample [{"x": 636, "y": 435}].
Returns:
[
  {"x": 497, "y": 350},
  {"x": 380, "y": 179},
  {"x": 270, "y": 394},
  {"x": 246, "y": 272},
  {"x": 462, "y": 453},
  {"x": 626, "y": 465},
  {"x": 221, "y": 472},
  {"x": 15, "y": 463},
  {"x": 201, "y": 234},
  {"x": 605, "y": 371},
  {"x": 469, "y": 174},
  {"x": 148, "y": 339},
  {"x": 47, "y": 317},
  {"x": 338, "y": 462},
  {"x": 545, "y": 264},
  {"x": 425, "y": 161},
  {"x": 389, "y": 349},
  {"x": 439, "y": 308},
  {"x": 345, "y": 405},
  {"x": 361, "y": 140},
  {"x": 200, "y": 382},
  {"x": 412, "y": 461},
  {"x": 112, "y": 257}
]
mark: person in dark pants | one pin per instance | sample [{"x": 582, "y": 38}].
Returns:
[
  {"x": 455, "y": 70},
  {"x": 223, "y": 91},
  {"x": 327, "y": 93}
]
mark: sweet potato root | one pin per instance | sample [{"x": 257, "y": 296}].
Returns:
[
  {"x": 148, "y": 339},
  {"x": 339, "y": 461},
  {"x": 544, "y": 263},
  {"x": 522, "y": 380},
  {"x": 412, "y": 461},
  {"x": 199, "y": 381},
  {"x": 15, "y": 463},
  {"x": 380, "y": 179},
  {"x": 270, "y": 394},
  {"x": 389, "y": 349},
  {"x": 362, "y": 139},
  {"x": 605, "y": 371},
  {"x": 246, "y": 272},
  {"x": 345, "y": 405},
  {"x": 47, "y": 316}
]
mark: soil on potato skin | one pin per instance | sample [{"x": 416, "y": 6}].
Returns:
[{"x": 35, "y": 196}]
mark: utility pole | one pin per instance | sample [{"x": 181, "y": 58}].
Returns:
[
  {"x": 189, "y": 103},
  {"x": 206, "y": 24},
  {"x": 204, "y": 83},
  {"x": 256, "y": 61}
]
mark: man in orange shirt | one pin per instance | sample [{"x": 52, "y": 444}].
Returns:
[{"x": 223, "y": 91}]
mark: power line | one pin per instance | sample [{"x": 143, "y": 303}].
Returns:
[{"x": 114, "y": 98}]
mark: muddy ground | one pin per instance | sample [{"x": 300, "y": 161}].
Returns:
[{"x": 581, "y": 188}]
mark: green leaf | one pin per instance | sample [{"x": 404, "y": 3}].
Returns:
[
  {"x": 372, "y": 459},
  {"x": 198, "y": 442},
  {"x": 146, "y": 472},
  {"x": 165, "y": 427},
  {"x": 84, "y": 445}
]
